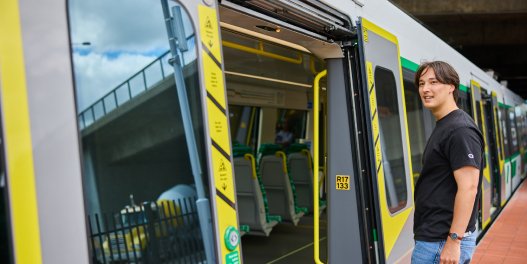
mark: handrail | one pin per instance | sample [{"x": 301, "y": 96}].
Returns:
[
  {"x": 116, "y": 103},
  {"x": 282, "y": 154},
  {"x": 308, "y": 154},
  {"x": 250, "y": 157},
  {"x": 316, "y": 107},
  {"x": 260, "y": 51}
]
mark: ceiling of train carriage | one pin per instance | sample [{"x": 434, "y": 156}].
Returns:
[{"x": 491, "y": 34}]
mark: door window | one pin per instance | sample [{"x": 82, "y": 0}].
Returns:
[
  {"x": 140, "y": 191},
  {"x": 391, "y": 139},
  {"x": 5, "y": 230},
  {"x": 244, "y": 122},
  {"x": 513, "y": 132},
  {"x": 416, "y": 126}
]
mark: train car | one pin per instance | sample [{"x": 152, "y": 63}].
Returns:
[{"x": 232, "y": 131}]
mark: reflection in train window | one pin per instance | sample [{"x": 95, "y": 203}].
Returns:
[
  {"x": 480, "y": 125},
  {"x": 244, "y": 125},
  {"x": 513, "y": 132},
  {"x": 416, "y": 126},
  {"x": 136, "y": 164},
  {"x": 290, "y": 127},
  {"x": 5, "y": 243},
  {"x": 391, "y": 139},
  {"x": 505, "y": 126},
  {"x": 499, "y": 130}
]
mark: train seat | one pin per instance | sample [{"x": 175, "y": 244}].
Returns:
[
  {"x": 278, "y": 183},
  {"x": 252, "y": 203},
  {"x": 301, "y": 170}
]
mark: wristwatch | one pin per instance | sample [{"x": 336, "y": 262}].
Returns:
[{"x": 455, "y": 236}]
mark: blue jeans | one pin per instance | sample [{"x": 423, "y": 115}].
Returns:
[{"x": 429, "y": 252}]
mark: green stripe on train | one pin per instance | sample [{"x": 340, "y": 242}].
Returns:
[{"x": 413, "y": 67}]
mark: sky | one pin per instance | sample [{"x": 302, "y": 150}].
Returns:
[{"x": 125, "y": 36}]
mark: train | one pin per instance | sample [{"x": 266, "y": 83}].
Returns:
[{"x": 232, "y": 131}]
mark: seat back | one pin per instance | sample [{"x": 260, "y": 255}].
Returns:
[
  {"x": 277, "y": 186},
  {"x": 251, "y": 208},
  {"x": 301, "y": 171}
]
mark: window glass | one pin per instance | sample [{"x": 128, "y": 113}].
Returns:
[
  {"x": 290, "y": 127},
  {"x": 5, "y": 241},
  {"x": 480, "y": 125},
  {"x": 391, "y": 139},
  {"x": 498, "y": 132},
  {"x": 505, "y": 125},
  {"x": 416, "y": 126},
  {"x": 513, "y": 132},
  {"x": 464, "y": 103},
  {"x": 244, "y": 125},
  {"x": 140, "y": 192}
]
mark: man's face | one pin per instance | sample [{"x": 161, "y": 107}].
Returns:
[{"x": 433, "y": 93}]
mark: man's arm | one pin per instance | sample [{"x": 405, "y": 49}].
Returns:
[{"x": 467, "y": 179}]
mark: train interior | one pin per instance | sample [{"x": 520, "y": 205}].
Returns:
[{"x": 137, "y": 169}]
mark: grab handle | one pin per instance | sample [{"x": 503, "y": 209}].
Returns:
[
  {"x": 281, "y": 154},
  {"x": 316, "y": 107},
  {"x": 250, "y": 157}
]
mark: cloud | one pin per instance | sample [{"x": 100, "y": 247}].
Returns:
[
  {"x": 97, "y": 74},
  {"x": 123, "y": 25},
  {"x": 125, "y": 36}
]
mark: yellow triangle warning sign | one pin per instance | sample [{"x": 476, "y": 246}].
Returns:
[
  {"x": 208, "y": 24},
  {"x": 222, "y": 166}
]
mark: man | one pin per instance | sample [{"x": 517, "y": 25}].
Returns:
[
  {"x": 448, "y": 189},
  {"x": 284, "y": 138}
]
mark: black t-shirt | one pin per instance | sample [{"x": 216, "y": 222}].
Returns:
[{"x": 455, "y": 142}]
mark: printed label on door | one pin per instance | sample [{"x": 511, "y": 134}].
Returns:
[{"x": 343, "y": 182}]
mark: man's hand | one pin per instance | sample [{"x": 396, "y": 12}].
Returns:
[{"x": 451, "y": 252}]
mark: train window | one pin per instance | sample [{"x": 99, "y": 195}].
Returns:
[
  {"x": 520, "y": 124},
  {"x": 513, "y": 142},
  {"x": 391, "y": 139},
  {"x": 291, "y": 127},
  {"x": 480, "y": 125},
  {"x": 5, "y": 241},
  {"x": 499, "y": 131},
  {"x": 416, "y": 126},
  {"x": 244, "y": 125},
  {"x": 139, "y": 186},
  {"x": 504, "y": 123}
]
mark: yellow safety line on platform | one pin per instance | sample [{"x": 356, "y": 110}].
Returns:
[{"x": 17, "y": 134}]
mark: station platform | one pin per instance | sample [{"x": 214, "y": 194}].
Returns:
[{"x": 506, "y": 241}]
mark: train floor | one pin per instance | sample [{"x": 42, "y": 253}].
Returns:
[
  {"x": 286, "y": 244},
  {"x": 506, "y": 241}
]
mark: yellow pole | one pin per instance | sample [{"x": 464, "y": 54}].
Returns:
[{"x": 316, "y": 107}]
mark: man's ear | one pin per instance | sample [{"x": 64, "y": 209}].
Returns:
[{"x": 452, "y": 88}]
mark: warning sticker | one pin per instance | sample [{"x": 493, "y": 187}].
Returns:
[
  {"x": 343, "y": 182},
  {"x": 210, "y": 35}
]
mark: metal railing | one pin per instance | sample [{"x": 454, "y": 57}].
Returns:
[
  {"x": 153, "y": 233},
  {"x": 149, "y": 76}
]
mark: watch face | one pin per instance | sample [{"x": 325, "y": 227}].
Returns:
[{"x": 453, "y": 236}]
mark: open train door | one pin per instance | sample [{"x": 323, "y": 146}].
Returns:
[
  {"x": 497, "y": 148},
  {"x": 390, "y": 157},
  {"x": 480, "y": 114},
  {"x": 220, "y": 228}
]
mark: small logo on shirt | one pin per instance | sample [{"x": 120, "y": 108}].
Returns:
[{"x": 471, "y": 156}]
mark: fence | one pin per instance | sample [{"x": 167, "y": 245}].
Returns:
[
  {"x": 141, "y": 81},
  {"x": 153, "y": 233}
]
